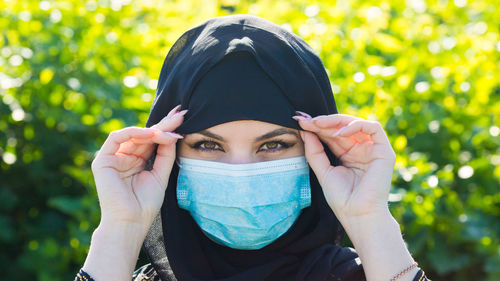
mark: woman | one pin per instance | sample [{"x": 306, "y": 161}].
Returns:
[{"x": 251, "y": 187}]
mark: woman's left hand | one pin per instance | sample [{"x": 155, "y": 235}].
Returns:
[{"x": 361, "y": 185}]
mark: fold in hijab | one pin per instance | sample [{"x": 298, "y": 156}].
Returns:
[{"x": 243, "y": 67}]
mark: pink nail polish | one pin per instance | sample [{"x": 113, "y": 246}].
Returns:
[
  {"x": 180, "y": 113},
  {"x": 176, "y": 108},
  {"x": 174, "y": 135},
  {"x": 300, "y": 118},
  {"x": 303, "y": 114}
]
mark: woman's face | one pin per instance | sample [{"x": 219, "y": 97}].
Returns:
[{"x": 243, "y": 141}]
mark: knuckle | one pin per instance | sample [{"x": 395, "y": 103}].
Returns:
[
  {"x": 128, "y": 130},
  {"x": 375, "y": 124},
  {"x": 114, "y": 133}
]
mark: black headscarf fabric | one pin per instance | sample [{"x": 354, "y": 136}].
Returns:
[{"x": 243, "y": 67}]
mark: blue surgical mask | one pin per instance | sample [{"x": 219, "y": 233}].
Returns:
[{"x": 244, "y": 206}]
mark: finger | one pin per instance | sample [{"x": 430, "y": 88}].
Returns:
[
  {"x": 141, "y": 146},
  {"x": 306, "y": 123},
  {"x": 128, "y": 164},
  {"x": 336, "y": 122},
  {"x": 164, "y": 160},
  {"x": 325, "y": 125},
  {"x": 170, "y": 123},
  {"x": 167, "y": 124},
  {"x": 333, "y": 120},
  {"x": 174, "y": 110},
  {"x": 115, "y": 138},
  {"x": 315, "y": 154},
  {"x": 337, "y": 146},
  {"x": 158, "y": 137},
  {"x": 371, "y": 128}
]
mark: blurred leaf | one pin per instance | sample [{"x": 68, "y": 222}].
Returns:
[{"x": 66, "y": 205}]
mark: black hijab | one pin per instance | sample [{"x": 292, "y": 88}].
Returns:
[{"x": 243, "y": 67}]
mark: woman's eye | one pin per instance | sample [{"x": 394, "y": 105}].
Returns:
[
  {"x": 272, "y": 145},
  {"x": 207, "y": 146},
  {"x": 275, "y": 146}
]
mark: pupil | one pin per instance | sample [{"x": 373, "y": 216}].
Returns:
[{"x": 272, "y": 145}]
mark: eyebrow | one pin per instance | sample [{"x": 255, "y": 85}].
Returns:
[{"x": 265, "y": 136}]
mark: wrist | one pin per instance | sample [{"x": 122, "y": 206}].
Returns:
[
  {"x": 117, "y": 231},
  {"x": 379, "y": 243},
  {"x": 358, "y": 224},
  {"x": 125, "y": 229},
  {"x": 114, "y": 250}
]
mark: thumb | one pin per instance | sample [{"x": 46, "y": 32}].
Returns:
[{"x": 315, "y": 155}]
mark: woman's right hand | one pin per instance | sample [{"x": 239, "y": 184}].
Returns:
[{"x": 127, "y": 193}]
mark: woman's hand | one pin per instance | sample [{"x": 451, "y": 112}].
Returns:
[
  {"x": 360, "y": 187},
  {"x": 358, "y": 190},
  {"x": 128, "y": 194}
]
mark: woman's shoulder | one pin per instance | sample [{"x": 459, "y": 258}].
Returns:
[{"x": 145, "y": 273}]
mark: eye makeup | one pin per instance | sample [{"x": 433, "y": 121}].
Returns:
[
  {"x": 213, "y": 145},
  {"x": 199, "y": 145},
  {"x": 280, "y": 143}
]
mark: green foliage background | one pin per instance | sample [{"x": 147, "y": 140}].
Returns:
[{"x": 71, "y": 72}]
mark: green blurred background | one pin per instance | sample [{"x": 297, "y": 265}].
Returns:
[{"x": 71, "y": 72}]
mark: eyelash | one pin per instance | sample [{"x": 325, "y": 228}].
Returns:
[{"x": 284, "y": 145}]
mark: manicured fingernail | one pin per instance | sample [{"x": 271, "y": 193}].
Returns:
[
  {"x": 173, "y": 134},
  {"x": 299, "y": 118},
  {"x": 303, "y": 114},
  {"x": 172, "y": 112},
  {"x": 181, "y": 113},
  {"x": 338, "y": 132},
  {"x": 176, "y": 108}
]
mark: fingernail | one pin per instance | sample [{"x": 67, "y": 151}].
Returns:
[
  {"x": 176, "y": 108},
  {"x": 303, "y": 114},
  {"x": 173, "y": 134},
  {"x": 181, "y": 113},
  {"x": 299, "y": 118},
  {"x": 338, "y": 132}
]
